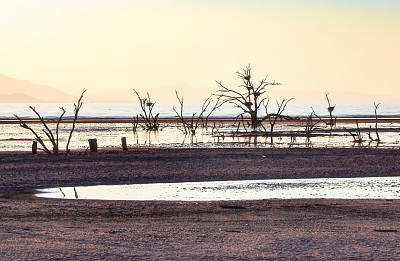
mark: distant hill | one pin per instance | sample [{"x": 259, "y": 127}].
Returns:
[
  {"x": 17, "y": 91},
  {"x": 18, "y": 98}
]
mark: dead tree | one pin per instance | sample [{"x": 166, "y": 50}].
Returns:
[
  {"x": 249, "y": 98},
  {"x": 77, "y": 107},
  {"x": 207, "y": 102},
  {"x": 47, "y": 131},
  {"x": 332, "y": 122},
  {"x": 147, "y": 106},
  {"x": 185, "y": 124},
  {"x": 53, "y": 137},
  {"x": 190, "y": 126},
  {"x": 376, "y": 121},
  {"x": 37, "y": 137},
  {"x": 357, "y": 136},
  {"x": 240, "y": 120},
  {"x": 311, "y": 125},
  {"x": 273, "y": 117},
  {"x": 135, "y": 122}
]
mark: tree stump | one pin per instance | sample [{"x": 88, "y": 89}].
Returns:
[
  {"x": 124, "y": 146},
  {"x": 93, "y": 145},
  {"x": 34, "y": 147}
]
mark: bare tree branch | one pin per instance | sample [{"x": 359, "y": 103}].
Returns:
[
  {"x": 191, "y": 126},
  {"x": 250, "y": 99},
  {"x": 37, "y": 137},
  {"x": 54, "y": 139},
  {"x": 147, "y": 107},
  {"x": 77, "y": 108}
]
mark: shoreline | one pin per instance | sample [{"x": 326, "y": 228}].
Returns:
[
  {"x": 174, "y": 119},
  {"x": 151, "y": 165}
]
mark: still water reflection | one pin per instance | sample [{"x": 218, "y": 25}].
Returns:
[{"x": 338, "y": 188}]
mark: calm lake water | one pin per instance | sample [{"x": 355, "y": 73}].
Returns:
[
  {"x": 15, "y": 138},
  {"x": 8, "y": 110},
  {"x": 329, "y": 188}
]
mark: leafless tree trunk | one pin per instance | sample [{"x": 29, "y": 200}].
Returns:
[
  {"x": 357, "y": 136},
  {"x": 215, "y": 107},
  {"x": 77, "y": 106},
  {"x": 179, "y": 114},
  {"x": 37, "y": 137},
  {"x": 311, "y": 126},
  {"x": 46, "y": 130},
  {"x": 250, "y": 99},
  {"x": 274, "y": 116},
  {"x": 135, "y": 123},
  {"x": 376, "y": 121},
  {"x": 147, "y": 106},
  {"x": 330, "y": 109},
  {"x": 58, "y": 128},
  {"x": 191, "y": 126}
]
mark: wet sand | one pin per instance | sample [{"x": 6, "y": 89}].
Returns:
[{"x": 34, "y": 228}]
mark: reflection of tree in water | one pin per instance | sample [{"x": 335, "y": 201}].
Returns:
[
  {"x": 62, "y": 193},
  {"x": 192, "y": 139},
  {"x": 76, "y": 193}
]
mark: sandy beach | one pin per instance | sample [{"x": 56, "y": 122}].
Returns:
[{"x": 33, "y": 228}]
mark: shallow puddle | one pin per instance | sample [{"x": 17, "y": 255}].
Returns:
[{"x": 334, "y": 188}]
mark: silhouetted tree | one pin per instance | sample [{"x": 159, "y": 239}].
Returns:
[
  {"x": 47, "y": 131},
  {"x": 191, "y": 124},
  {"x": 53, "y": 137},
  {"x": 248, "y": 97},
  {"x": 149, "y": 119},
  {"x": 330, "y": 109},
  {"x": 77, "y": 107},
  {"x": 376, "y": 124},
  {"x": 273, "y": 117}
]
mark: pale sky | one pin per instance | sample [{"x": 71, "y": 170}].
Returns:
[{"x": 118, "y": 45}]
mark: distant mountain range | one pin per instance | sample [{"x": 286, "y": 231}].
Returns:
[{"x": 17, "y": 91}]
